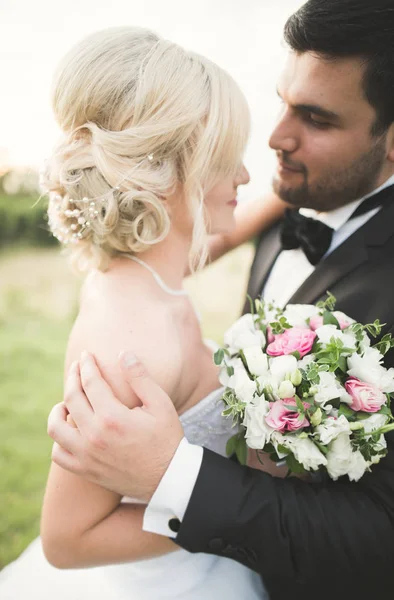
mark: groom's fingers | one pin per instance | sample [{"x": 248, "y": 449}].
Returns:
[
  {"x": 94, "y": 386},
  {"x": 62, "y": 432},
  {"x": 152, "y": 396},
  {"x": 75, "y": 399},
  {"x": 65, "y": 459}
]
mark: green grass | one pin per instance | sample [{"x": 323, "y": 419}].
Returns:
[
  {"x": 38, "y": 298},
  {"x": 32, "y": 344},
  {"x": 31, "y": 364}
]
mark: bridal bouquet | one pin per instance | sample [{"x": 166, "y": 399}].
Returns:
[{"x": 306, "y": 386}]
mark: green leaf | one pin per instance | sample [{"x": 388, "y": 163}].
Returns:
[
  {"x": 282, "y": 449},
  {"x": 269, "y": 448},
  {"x": 294, "y": 465},
  {"x": 291, "y": 408},
  {"x": 300, "y": 406},
  {"x": 345, "y": 410},
  {"x": 241, "y": 451},
  {"x": 329, "y": 303},
  {"x": 296, "y": 354},
  {"x": 218, "y": 356},
  {"x": 342, "y": 364},
  {"x": 323, "y": 449},
  {"x": 231, "y": 444},
  {"x": 227, "y": 412},
  {"x": 384, "y": 410},
  {"x": 251, "y": 303},
  {"x": 335, "y": 402},
  {"x": 385, "y": 344},
  {"x": 329, "y": 319}
]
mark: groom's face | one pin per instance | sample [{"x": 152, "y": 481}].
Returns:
[{"x": 327, "y": 155}]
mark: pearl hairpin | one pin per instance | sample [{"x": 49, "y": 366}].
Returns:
[{"x": 82, "y": 217}]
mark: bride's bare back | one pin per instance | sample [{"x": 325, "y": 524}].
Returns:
[{"x": 125, "y": 309}]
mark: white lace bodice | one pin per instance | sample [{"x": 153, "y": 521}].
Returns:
[{"x": 204, "y": 424}]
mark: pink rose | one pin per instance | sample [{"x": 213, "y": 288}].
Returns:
[
  {"x": 270, "y": 335},
  {"x": 317, "y": 321},
  {"x": 297, "y": 339},
  {"x": 283, "y": 419},
  {"x": 365, "y": 397}
]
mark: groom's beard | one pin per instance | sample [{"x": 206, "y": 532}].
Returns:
[{"x": 335, "y": 189}]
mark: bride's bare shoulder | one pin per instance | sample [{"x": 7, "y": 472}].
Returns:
[{"x": 120, "y": 311}]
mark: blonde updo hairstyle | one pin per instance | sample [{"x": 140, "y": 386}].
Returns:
[{"x": 122, "y": 95}]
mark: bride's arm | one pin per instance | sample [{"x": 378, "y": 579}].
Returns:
[
  {"x": 88, "y": 526},
  {"x": 82, "y": 523},
  {"x": 251, "y": 218}
]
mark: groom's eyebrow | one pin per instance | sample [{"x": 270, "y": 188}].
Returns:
[{"x": 315, "y": 109}]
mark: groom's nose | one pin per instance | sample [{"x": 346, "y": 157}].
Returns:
[{"x": 283, "y": 136}]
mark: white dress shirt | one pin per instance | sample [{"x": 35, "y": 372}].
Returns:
[{"x": 289, "y": 272}]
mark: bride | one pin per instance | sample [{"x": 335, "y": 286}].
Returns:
[{"x": 149, "y": 166}]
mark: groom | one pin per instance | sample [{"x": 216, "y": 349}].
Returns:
[{"x": 335, "y": 148}]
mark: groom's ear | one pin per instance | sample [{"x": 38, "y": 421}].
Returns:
[{"x": 390, "y": 143}]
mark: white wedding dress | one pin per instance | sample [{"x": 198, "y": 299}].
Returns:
[{"x": 178, "y": 575}]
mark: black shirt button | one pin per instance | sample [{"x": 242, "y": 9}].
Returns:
[
  {"x": 174, "y": 524},
  {"x": 217, "y": 544}
]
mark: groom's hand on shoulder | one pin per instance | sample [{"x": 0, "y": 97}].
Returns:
[{"x": 125, "y": 450}]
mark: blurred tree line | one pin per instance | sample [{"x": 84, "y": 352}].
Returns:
[{"x": 23, "y": 220}]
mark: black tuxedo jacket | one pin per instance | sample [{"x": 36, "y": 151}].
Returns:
[{"x": 327, "y": 540}]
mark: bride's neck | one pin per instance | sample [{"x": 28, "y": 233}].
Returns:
[{"x": 169, "y": 258}]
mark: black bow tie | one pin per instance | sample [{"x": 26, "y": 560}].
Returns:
[{"x": 313, "y": 236}]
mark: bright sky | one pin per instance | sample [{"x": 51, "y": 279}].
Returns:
[{"x": 244, "y": 37}]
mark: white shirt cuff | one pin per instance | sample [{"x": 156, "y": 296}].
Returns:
[{"x": 172, "y": 496}]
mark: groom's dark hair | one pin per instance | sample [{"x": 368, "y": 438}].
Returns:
[{"x": 352, "y": 28}]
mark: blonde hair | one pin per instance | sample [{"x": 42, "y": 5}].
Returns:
[{"x": 119, "y": 96}]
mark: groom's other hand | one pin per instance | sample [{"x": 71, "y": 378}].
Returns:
[{"x": 124, "y": 450}]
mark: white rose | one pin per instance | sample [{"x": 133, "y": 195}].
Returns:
[
  {"x": 326, "y": 332},
  {"x": 224, "y": 377},
  {"x": 297, "y": 314},
  {"x": 286, "y": 389},
  {"x": 341, "y": 460},
  {"x": 358, "y": 466},
  {"x": 368, "y": 368},
  {"x": 256, "y": 360},
  {"x": 375, "y": 421},
  {"x": 305, "y": 451},
  {"x": 365, "y": 342},
  {"x": 257, "y": 431},
  {"x": 240, "y": 382},
  {"x": 331, "y": 428},
  {"x": 281, "y": 367},
  {"x": 243, "y": 335},
  {"x": 268, "y": 382},
  {"x": 329, "y": 388}
]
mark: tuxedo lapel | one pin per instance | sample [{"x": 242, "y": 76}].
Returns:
[
  {"x": 347, "y": 257},
  {"x": 354, "y": 251},
  {"x": 268, "y": 249}
]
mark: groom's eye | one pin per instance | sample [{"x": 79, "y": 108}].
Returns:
[{"x": 316, "y": 122}]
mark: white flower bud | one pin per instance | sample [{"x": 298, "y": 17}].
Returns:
[
  {"x": 356, "y": 425},
  {"x": 296, "y": 377},
  {"x": 316, "y": 418},
  {"x": 286, "y": 389}
]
